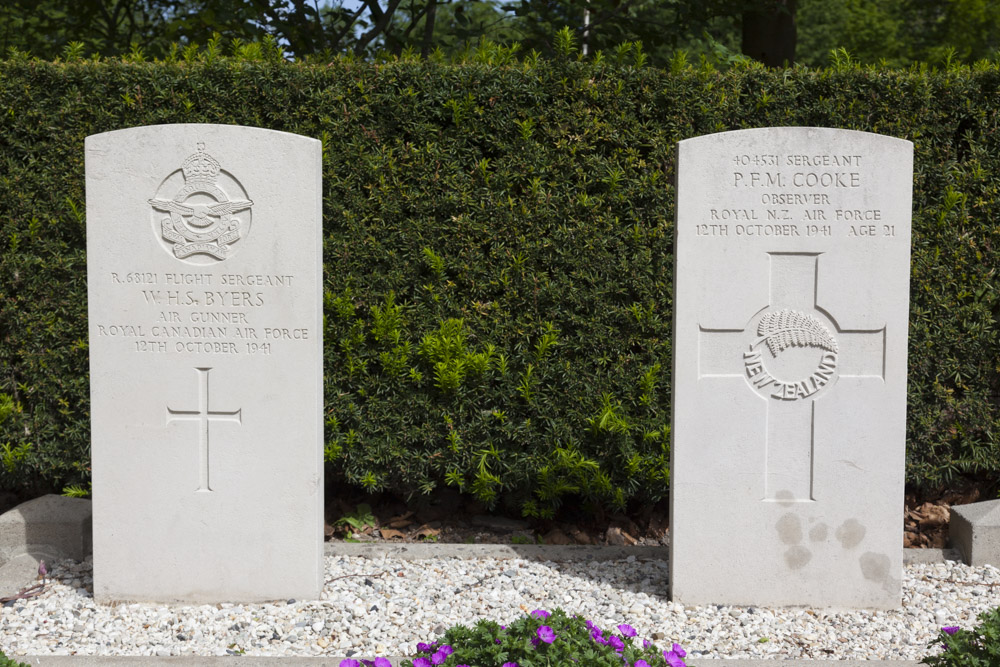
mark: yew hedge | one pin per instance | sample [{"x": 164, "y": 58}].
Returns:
[{"x": 498, "y": 252}]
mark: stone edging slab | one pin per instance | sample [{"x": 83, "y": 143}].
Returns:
[
  {"x": 416, "y": 551},
  {"x": 243, "y": 661}
]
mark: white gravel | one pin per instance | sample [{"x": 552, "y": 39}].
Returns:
[{"x": 384, "y": 606}]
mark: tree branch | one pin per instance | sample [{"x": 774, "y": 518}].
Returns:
[
  {"x": 425, "y": 47},
  {"x": 606, "y": 16},
  {"x": 413, "y": 22},
  {"x": 350, "y": 24},
  {"x": 380, "y": 24}
]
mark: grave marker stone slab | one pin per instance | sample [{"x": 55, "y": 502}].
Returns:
[
  {"x": 792, "y": 300},
  {"x": 204, "y": 263}
]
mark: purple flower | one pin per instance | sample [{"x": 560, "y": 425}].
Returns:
[
  {"x": 590, "y": 625},
  {"x": 681, "y": 653},
  {"x": 616, "y": 643},
  {"x": 627, "y": 630},
  {"x": 641, "y": 663},
  {"x": 673, "y": 659},
  {"x": 347, "y": 662},
  {"x": 510, "y": 664},
  {"x": 546, "y": 634},
  {"x": 421, "y": 662},
  {"x": 646, "y": 643},
  {"x": 425, "y": 648},
  {"x": 381, "y": 662},
  {"x": 439, "y": 658},
  {"x": 540, "y": 613},
  {"x": 950, "y": 629},
  {"x": 446, "y": 649}
]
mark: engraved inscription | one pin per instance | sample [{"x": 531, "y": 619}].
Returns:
[
  {"x": 789, "y": 196},
  {"x": 204, "y": 313},
  {"x": 204, "y": 220},
  {"x": 204, "y": 416}
]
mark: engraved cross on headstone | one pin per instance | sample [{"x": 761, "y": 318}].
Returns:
[
  {"x": 203, "y": 415},
  {"x": 791, "y": 393}
]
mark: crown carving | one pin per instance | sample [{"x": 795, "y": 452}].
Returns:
[{"x": 200, "y": 167}]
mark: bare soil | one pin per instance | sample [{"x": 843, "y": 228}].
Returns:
[
  {"x": 451, "y": 518},
  {"x": 454, "y": 519}
]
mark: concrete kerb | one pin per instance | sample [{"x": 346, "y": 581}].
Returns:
[
  {"x": 53, "y": 524},
  {"x": 554, "y": 553},
  {"x": 243, "y": 661},
  {"x": 47, "y": 528},
  {"x": 975, "y": 531}
]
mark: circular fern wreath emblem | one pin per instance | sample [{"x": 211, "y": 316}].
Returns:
[{"x": 788, "y": 333}]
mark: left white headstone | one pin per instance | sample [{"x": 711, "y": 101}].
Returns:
[{"x": 204, "y": 266}]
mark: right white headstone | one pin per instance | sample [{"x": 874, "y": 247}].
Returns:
[{"x": 792, "y": 298}]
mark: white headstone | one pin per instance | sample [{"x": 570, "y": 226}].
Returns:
[
  {"x": 792, "y": 296},
  {"x": 204, "y": 265}
]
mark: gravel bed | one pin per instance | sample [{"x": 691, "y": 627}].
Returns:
[{"x": 384, "y": 606}]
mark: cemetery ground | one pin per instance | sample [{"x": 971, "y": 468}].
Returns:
[{"x": 378, "y": 599}]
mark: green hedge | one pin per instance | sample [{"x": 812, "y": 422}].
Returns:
[{"x": 499, "y": 237}]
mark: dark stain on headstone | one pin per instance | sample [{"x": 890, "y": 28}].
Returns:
[
  {"x": 789, "y": 529},
  {"x": 850, "y": 533},
  {"x": 875, "y": 566},
  {"x": 819, "y": 532},
  {"x": 797, "y": 557}
]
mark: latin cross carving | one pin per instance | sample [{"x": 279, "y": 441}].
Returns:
[
  {"x": 204, "y": 416},
  {"x": 791, "y": 354}
]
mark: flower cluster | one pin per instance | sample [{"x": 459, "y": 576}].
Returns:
[
  {"x": 540, "y": 637},
  {"x": 674, "y": 657},
  {"x": 976, "y": 647}
]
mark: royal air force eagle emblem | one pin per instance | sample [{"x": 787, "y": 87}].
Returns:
[{"x": 203, "y": 219}]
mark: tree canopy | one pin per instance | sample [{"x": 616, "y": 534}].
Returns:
[{"x": 776, "y": 32}]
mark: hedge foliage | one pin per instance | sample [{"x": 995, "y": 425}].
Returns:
[{"x": 498, "y": 252}]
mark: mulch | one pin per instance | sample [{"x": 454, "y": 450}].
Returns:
[
  {"x": 448, "y": 518},
  {"x": 926, "y": 519}
]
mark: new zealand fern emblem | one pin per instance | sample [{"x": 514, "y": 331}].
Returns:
[{"x": 782, "y": 329}]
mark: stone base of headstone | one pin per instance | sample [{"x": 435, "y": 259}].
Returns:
[
  {"x": 54, "y": 524},
  {"x": 975, "y": 531},
  {"x": 47, "y": 528}
]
